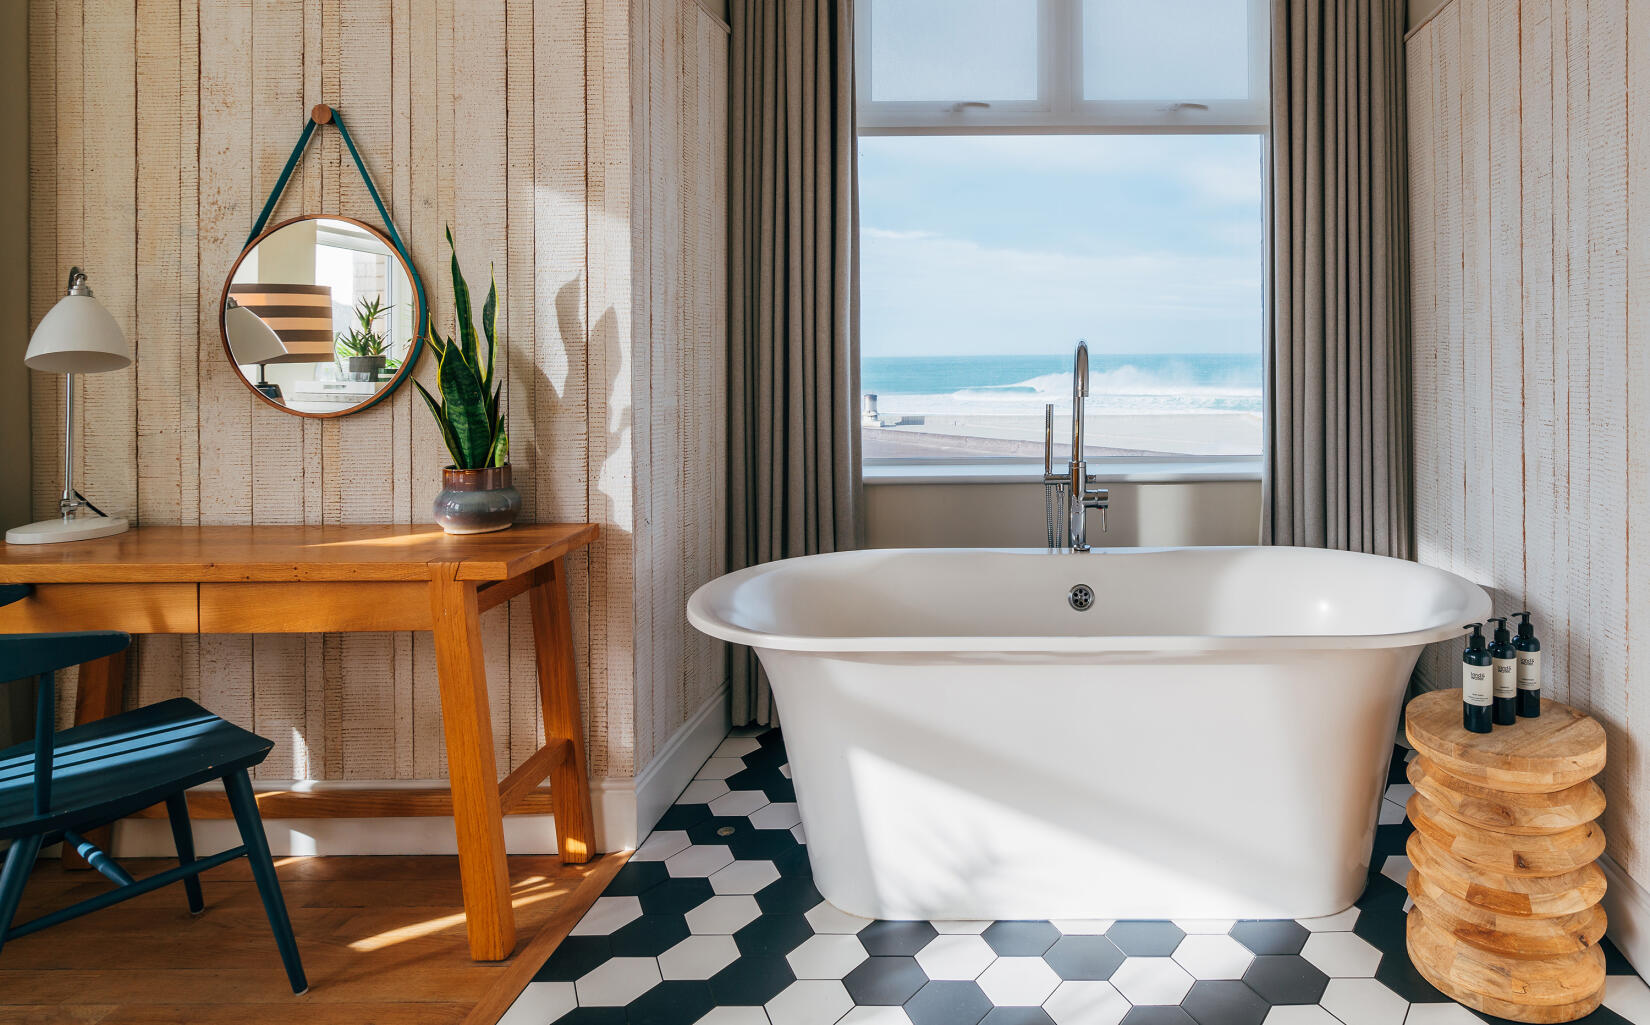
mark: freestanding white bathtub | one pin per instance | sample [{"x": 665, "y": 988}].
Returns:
[{"x": 1209, "y": 739}]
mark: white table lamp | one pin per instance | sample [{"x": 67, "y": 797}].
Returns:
[
  {"x": 77, "y": 336},
  {"x": 253, "y": 343}
]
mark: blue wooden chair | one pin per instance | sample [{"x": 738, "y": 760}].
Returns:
[{"x": 68, "y": 782}]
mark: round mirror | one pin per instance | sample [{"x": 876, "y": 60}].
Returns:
[{"x": 321, "y": 316}]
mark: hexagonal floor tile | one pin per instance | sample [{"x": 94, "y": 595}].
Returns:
[
  {"x": 1307, "y": 1014},
  {"x": 1020, "y": 939},
  {"x": 703, "y": 791},
  {"x": 1016, "y": 1016},
  {"x": 541, "y": 1002},
  {"x": 1083, "y": 926},
  {"x": 661, "y": 844},
  {"x": 1146, "y": 939},
  {"x": 876, "y": 1016},
  {"x": 573, "y": 957},
  {"x": 948, "y": 1003},
  {"x": 606, "y": 915},
  {"x": 773, "y": 934},
  {"x": 1018, "y": 981},
  {"x": 649, "y": 936},
  {"x": 1342, "y": 955},
  {"x": 1363, "y": 1002},
  {"x": 617, "y": 982},
  {"x": 698, "y": 860},
  {"x": 960, "y": 926},
  {"x": 1159, "y": 1014},
  {"x": 737, "y": 747},
  {"x": 1346, "y": 921},
  {"x": 826, "y": 917},
  {"x": 744, "y": 877},
  {"x": 1271, "y": 936},
  {"x": 779, "y": 815},
  {"x": 1213, "y": 957},
  {"x": 888, "y": 938},
  {"x": 826, "y": 956},
  {"x": 675, "y": 896},
  {"x": 723, "y": 914},
  {"x": 1286, "y": 979},
  {"x": 733, "y": 1014},
  {"x": 1090, "y": 958},
  {"x": 738, "y": 802},
  {"x": 669, "y": 1003},
  {"x": 1086, "y": 1003},
  {"x": 955, "y": 958},
  {"x": 885, "y": 980},
  {"x": 751, "y": 980},
  {"x": 698, "y": 957},
  {"x": 721, "y": 768},
  {"x": 1224, "y": 1003},
  {"x": 1151, "y": 980},
  {"x": 809, "y": 1002},
  {"x": 1205, "y": 926}
]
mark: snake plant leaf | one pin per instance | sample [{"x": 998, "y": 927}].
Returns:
[
  {"x": 441, "y": 421},
  {"x": 462, "y": 310},
  {"x": 465, "y": 405},
  {"x": 501, "y": 447},
  {"x": 489, "y": 323}
]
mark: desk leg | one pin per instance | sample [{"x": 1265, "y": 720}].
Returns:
[
  {"x": 100, "y": 694},
  {"x": 559, "y": 695},
  {"x": 471, "y": 768}
]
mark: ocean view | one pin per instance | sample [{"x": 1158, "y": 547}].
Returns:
[{"x": 1139, "y": 404}]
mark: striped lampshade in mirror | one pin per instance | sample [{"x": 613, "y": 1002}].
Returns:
[{"x": 301, "y": 315}]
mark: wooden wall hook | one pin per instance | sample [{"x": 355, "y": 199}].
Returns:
[{"x": 321, "y": 114}]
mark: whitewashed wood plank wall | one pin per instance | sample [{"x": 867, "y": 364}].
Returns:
[
  {"x": 577, "y": 145},
  {"x": 1530, "y": 181}
]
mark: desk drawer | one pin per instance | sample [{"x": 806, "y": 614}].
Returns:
[
  {"x": 311, "y": 607},
  {"x": 134, "y": 608}
]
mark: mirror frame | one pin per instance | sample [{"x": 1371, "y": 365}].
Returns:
[{"x": 407, "y": 364}]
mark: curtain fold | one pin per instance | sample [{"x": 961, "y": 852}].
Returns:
[
  {"x": 794, "y": 482},
  {"x": 1339, "y": 468}
]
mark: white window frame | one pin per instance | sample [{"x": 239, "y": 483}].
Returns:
[
  {"x": 1061, "y": 110},
  {"x": 1059, "y": 106}
]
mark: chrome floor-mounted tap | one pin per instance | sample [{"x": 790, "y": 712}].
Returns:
[{"x": 1076, "y": 489}]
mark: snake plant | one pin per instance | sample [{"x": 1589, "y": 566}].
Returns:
[
  {"x": 364, "y": 339},
  {"x": 468, "y": 413}
]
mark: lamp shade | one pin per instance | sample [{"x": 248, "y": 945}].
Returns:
[
  {"x": 251, "y": 340},
  {"x": 78, "y": 336},
  {"x": 301, "y": 315}
]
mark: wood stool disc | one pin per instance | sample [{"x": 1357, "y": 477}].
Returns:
[
  {"x": 1502, "y": 811},
  {"x": 1517, "y": 936},
  {"x": 1564, "y": 851},
  {"x": 1537, "y": 896},
  {"x": 1552, "y": 990},
  {"x": 1557, "y": 750}
]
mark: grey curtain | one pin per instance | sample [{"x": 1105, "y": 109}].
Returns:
[
  {"x": 793, "y": 370},
  {"x": 1339, "y": 472}
]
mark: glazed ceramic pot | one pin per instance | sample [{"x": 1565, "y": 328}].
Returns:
[{"x": 476, "y": 501}]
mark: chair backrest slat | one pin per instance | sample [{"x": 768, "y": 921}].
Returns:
[{"x": 45, "y": 728}]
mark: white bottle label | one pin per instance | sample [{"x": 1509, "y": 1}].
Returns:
[
  {"x": 1529, "y": 670},
  {"x": 1506, "y": 677},
  {"x": 1476, "y": 686}
]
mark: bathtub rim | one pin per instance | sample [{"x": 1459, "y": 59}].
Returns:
[{"x": 1477, "y": 606}]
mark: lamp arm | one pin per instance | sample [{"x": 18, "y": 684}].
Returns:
[{"x": 66, "y": 505}]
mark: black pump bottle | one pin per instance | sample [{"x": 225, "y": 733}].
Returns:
[
  {"x": 1529, "y": 669},
  {"x": 1476, "y": 689},
  {"x": 1504, "y": 662}
]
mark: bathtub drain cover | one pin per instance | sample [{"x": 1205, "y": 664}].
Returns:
[{"x": 1081, "y": 597}]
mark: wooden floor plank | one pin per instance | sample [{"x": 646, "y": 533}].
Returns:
[{"x": 383, "y": 940}]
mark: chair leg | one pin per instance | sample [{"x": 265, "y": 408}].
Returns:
[
  {"x": 238, "y": 786},
  {"x": 19, "y": 863},
  {"x": 177, "y": 810}
]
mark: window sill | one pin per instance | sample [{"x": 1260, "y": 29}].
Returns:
[{"x": 1114, "y": 471}]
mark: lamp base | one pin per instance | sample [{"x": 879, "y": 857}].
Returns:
[{"x": 53, "y": 531}]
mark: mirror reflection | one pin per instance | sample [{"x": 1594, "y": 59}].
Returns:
[{"x": 320, "y": 316}]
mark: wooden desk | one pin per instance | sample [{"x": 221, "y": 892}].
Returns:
[{"x": 279, "y": 579}]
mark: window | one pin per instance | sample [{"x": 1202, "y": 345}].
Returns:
[{"x": 1034, "y": 172}]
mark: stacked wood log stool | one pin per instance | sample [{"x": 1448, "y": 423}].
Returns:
[{"x": 1506, "y": 917}]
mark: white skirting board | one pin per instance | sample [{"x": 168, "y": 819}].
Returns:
[
  {"x": 625, "y": 809},
  {"x": 1627, "y": 905}
]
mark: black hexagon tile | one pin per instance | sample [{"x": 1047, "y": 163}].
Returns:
[{"x": 716, "y": 920}]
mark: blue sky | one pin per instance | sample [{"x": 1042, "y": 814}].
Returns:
[{"x": 974, "y": 245}]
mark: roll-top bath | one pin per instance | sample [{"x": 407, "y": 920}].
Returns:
[{"x": 1186, "y": 733}]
